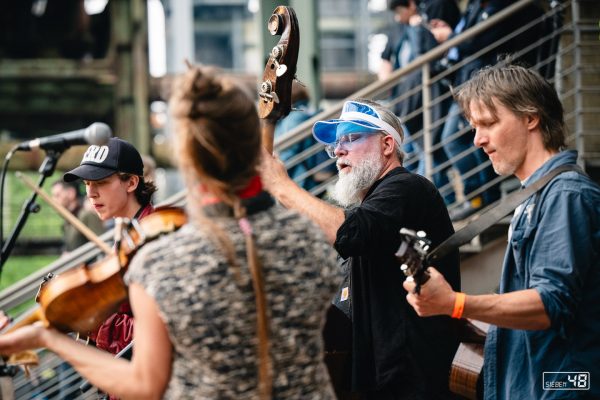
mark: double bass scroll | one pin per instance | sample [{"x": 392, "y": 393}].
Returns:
[{"x": 275, "y": 94}]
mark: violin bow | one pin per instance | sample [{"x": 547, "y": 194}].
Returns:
[
  {"x": 275, "y": 94},
  {"x": 66, "y": 214}
]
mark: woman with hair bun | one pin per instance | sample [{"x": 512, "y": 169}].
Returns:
[{"x": 231, "y": 306}]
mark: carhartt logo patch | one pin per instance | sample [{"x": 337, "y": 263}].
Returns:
[{"x": 95, "y": 154}]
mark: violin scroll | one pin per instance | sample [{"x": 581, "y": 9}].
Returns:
[{"x": 135, "y": 234}]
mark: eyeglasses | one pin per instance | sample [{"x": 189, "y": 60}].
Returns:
[{"x": 345, "y": 142}]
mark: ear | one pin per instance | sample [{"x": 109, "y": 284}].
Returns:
[
  {"x": 533, "y": 121},
  {"x": 389, "y": 145},
  {"x": 133, "y": 183}
]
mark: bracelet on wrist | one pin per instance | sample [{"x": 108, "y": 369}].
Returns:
[{"x": 459, "y": 305}]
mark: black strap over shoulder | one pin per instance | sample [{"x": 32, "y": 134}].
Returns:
[{"x": 490, "y": 217}]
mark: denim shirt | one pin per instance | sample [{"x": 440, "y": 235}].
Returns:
[{"x": 554, "y": 248}]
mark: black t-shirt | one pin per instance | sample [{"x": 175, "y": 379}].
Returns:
[{"x": 391, "y": 344}]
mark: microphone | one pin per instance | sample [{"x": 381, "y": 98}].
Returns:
[{"x": 97, "y": 133}]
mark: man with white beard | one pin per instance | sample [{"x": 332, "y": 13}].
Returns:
[
  {"x": 395, "y": 355},
  {"x": 351, "y": 187}
]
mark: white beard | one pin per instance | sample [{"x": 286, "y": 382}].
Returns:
[{"x": 352, "y": 186}]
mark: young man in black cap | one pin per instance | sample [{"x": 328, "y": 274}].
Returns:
[
  {"x": 115, "y": 186},
  {"x": 113, "y": 177}
]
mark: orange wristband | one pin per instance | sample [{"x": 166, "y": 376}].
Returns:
[{"x": 459, "y": 305}]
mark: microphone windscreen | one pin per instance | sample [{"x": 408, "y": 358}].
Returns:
[{"x": 98, "y": 133}]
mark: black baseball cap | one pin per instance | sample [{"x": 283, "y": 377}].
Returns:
[{"x": 100, "y": 162}]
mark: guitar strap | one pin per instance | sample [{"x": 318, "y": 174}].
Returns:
[{"x": 493, "y": 215}]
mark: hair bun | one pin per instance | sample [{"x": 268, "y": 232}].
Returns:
[
  {"x": 218, "y": 130},
  {"x": 206, "y": 92},
  {"x": 193, "y": 92}
]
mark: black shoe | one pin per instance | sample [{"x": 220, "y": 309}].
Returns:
[{"x": 466, "y": 209}]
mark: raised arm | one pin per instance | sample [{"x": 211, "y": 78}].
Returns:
[{"x": 276, "y": 180}]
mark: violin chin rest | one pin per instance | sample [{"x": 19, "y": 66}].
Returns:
[{"x": 27, "y": 358}]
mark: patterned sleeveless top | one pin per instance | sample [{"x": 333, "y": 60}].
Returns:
[{"x": 212, "y": 320}]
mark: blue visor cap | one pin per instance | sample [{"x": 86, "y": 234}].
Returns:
[
  {"x": 327, "y": 132},
  {"x": 356, "y": 117}
]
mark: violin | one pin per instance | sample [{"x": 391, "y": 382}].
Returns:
[
  {"x": 275, "y": 94},
  {"x": 82, "y": 298}
]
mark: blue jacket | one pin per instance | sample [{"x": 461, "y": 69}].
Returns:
[{"x": 554, "y": 248}]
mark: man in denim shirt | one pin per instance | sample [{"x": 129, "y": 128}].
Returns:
[{"x": 547, "y": 315}]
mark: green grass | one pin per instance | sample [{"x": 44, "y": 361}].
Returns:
[
  {"x": 19, "y": 267},
  {"x": 44, "y": 224}
]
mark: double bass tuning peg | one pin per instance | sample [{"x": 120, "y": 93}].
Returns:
[
  {"x": 267, "y": 93},
  {"x": 281, "y": 69},
  {"x": 277, "y": 53}
]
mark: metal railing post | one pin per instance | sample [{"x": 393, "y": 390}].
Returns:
[
  {"x": 427, "y": 140},
  {"x": 579, "y": 142}
]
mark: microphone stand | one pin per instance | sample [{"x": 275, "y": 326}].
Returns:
[{"x": 46, "y": 169}]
